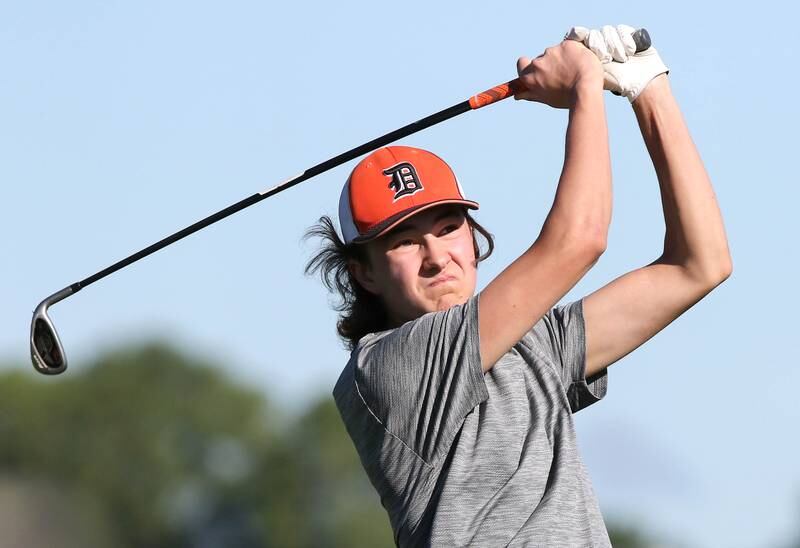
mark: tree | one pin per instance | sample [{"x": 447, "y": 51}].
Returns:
[
  {"x": 335, "y": 501},
  {"x": 152, "y": 448},
  {"x": 161, "y": 440}
]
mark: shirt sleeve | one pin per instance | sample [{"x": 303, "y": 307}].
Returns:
[
  {"x": 561, "y": 335},
  {"x": 421, "y": 379}
]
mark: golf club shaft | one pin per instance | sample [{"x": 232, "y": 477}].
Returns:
[
  {"x": 483, "y": 99},
  {"x": 492, "y": 95},
  {"x": 47, "y": 352}
]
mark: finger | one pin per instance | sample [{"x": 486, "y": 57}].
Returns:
[
  {"x": 597, "y": 44},
  {"x": 527, "y": 95},
  {"x": 615, "y": 46},
  {"x": 522, "y": 64},
  {"x": 610, "y": 83},
  {"x": 626, "y": 35},
  {"x": 577, "y": 33}
]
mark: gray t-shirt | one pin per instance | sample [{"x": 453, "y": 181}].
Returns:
[{"x": 460, "y": 457}]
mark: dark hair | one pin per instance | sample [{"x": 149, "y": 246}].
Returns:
[{"x": 361, "y": 312}]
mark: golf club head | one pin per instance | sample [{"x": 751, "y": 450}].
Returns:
[{"x": 47, "y": 354}]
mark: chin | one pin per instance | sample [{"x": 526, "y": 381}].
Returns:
[{"x": 450, "y": 300}]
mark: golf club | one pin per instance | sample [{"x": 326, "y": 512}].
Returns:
[{"x": 47, "y": 353}]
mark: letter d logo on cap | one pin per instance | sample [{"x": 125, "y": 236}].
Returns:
[{"x": 405, "y": 180}]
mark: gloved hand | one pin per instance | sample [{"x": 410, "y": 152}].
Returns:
[{"x": 625, "y": 71}]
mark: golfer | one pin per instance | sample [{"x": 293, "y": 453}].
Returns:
[{"x": 460, "y": 404}]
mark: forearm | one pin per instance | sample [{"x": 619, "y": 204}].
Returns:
[
  {"x": 695, "y": 235},
  {"x": 582, "y": 205}
]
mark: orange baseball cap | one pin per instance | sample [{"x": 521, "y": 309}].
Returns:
[{"x": 392, "y": 184}]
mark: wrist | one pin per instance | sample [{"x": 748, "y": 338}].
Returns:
[
  {"x": 587, "y": 87},
  {"x": 656, "y": 91}
]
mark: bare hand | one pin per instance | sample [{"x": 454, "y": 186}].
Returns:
[{"x": 554, "y": 77}]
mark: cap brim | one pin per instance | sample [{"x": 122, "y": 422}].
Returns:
[{"x": 387, "y": 225}]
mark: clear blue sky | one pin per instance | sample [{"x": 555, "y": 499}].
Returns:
[{"x": 121, "y": 122}]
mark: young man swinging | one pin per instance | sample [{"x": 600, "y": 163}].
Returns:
[{"x": 460, "y": 404}]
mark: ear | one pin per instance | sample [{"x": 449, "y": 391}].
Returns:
[{"x": 364, "y": 275}]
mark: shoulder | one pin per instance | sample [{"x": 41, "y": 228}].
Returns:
[
  {"x": 433, "y": 326},
  {"x": 405, "y": 351}
]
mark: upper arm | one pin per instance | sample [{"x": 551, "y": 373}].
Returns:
[
  {"x": 627, "y": 312},
  {"x": 520, "y": 295}
]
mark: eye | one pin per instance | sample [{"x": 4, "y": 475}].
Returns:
[
  {"x": 403, "y": 243},
  {"x": 450, "y": 228}
]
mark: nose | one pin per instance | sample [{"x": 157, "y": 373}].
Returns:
[{"x": 437, "y": 255}]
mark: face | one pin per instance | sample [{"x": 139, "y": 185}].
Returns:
[{"x": 425, "y": 264}]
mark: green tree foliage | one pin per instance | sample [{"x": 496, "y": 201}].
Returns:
[
  {"x": 324, "y": 498},
  {"x": 163, "y": 450},
  {"x": 629, "y": 536},
  {"x": 139, "y": 431},
  {"x": 149, "y": 447}
]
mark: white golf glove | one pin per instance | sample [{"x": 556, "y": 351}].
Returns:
[{"x": 625, "y": 71}]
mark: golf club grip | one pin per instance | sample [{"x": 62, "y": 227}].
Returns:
[
  {"x": 641, "y": 37},
  {"x": 497, "y": 93}
]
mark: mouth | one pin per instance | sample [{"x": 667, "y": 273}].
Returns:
[{"x": 442, "y": 279}]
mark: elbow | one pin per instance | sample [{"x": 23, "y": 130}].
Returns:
[
  {"x": 596, "y": 239},
  {"x": 581, "y": 241},
  {"x": 599, "y": 246},
  {"x": 722, "y": 270},
  {"x": 708, "y": 269},
  {"x": 592, "y": 250},
  {"x": 725, "y": 271},
  {"x": 595, "y": 243},
  {"x": 597, "y": 251},
  {"x": 594, "y": 247},
  {"x": 715, "y": 273}
]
